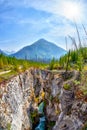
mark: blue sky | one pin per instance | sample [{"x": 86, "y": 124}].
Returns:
[{"x": 23, "y": 22}]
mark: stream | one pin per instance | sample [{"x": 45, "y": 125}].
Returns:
[{"x": 42, "y": 122}]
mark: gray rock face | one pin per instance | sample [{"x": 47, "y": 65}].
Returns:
[
  {"x": 16, "y": 97},
  {"x": 66, "y": 125},
  {"x": 66, "y": 99},
  {"x": 69, "y": 117},
  {"x": 23, "y": 93}
]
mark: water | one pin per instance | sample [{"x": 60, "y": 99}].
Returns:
[
  {"x": 41, "y": 125},
  {"x": 2, "y": 128},
  {"x": 41, "y": 108},
  {"x": 42, "y": 122}
]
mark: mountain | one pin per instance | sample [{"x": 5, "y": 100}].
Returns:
[
  {"x": 8, "y": 52},
  {"x": 40, "y": 50},
  {"x": 2, "y": 52}
]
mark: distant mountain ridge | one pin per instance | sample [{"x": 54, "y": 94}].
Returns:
[
  {"x": 2, "y": 52},
  {"x": 40, "y": 50},
  {"x": 8, "y": 52}
]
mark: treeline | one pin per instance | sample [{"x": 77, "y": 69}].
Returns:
[
  {"x": 75, "y": 58},
  {"x": 12, "y": 63}
]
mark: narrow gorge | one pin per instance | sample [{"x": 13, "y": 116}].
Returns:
[{"x": 42, "y": 100}]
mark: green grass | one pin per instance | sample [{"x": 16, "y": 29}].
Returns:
[
  {"x": 7, "y": 76},
  {"x": 16, "y": 66},
  {"x": 67, "y": 86}
]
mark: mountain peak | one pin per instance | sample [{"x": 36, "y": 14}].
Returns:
[
  {"x": 40, "y": 50},
  {"x": 42, "y": 40}
]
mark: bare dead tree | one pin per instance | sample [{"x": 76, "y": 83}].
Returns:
[
  {"x": 66, "y": 43},
  {"x": 73, "y": 42},
  {"x": 67, "y": 62},
  {"x": 84, "y": 29},
  {"x": 78, "y": 35}
]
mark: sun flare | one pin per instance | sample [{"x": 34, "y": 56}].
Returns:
[{"x": 71, "y": 10}]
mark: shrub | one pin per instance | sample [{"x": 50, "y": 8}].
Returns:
[
  {"x": 9, "y": 126},
  {"x": 67, "y": 86},
  {"x": 51, "y": 65}
]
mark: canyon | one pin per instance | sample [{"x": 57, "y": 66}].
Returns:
[{"x": 39, "y": 95}]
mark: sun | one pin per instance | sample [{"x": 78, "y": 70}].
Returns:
[{"x": 71, "y": 10}]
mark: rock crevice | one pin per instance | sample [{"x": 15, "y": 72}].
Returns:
[{"x": 21, "y": 96}]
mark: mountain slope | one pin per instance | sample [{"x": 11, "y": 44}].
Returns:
[
  {"x": 40, "y": 50},
  {"x": 8, "y": 52},
  {"x": 2, "y": 52}
]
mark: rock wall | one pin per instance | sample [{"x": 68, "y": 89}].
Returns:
[
  {"x": 21, "y": 95},
  {"x": 16, "y": 96}
]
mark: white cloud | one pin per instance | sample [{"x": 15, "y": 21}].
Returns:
[
  {"x": 55, "y": 6},
  {"x": 57, "y": 24}
]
